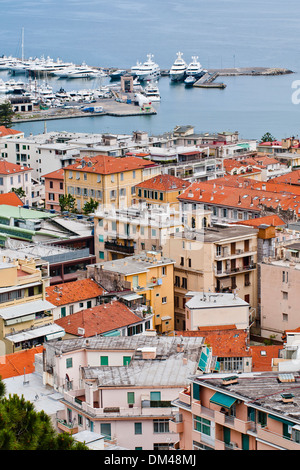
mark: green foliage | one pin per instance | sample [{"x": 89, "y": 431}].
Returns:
[
  {"x": 267, "y": 137},
  {"x": 19, "y": 191},
  {"x": 67, "y": 202},
  {"x": 23, "y": 428},
  {"x": 6, "y": 114},
  {"x": 90, "y": 206}
]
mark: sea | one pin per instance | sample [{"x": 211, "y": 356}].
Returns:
[{"x": 222, "y": 33}]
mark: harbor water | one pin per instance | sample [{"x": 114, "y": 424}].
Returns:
[{"x": 222, "y": 33}]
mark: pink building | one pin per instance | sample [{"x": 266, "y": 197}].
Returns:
[
  {"x": 122, "y": 387},
  {"x": 239, "y": 412},
  {"x": 54, "y": 188}
]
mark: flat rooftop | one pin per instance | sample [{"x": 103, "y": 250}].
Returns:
[
  {"x": 136, "y": 264},
  {"x": 209, "y": 300},
  {"x": 263, "y": 389}
]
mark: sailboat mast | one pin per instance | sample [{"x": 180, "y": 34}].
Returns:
[{"x": 22, "y": 44}]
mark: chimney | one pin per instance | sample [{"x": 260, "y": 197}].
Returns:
[{"x": 148, "y": 353}]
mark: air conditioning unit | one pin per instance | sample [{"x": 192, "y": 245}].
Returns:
[{"x": 81, "y": 331}]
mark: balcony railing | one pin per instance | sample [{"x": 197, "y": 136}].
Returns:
[
  {"x": 238, "y": 269},
  {"x": 129, "y": 250}
]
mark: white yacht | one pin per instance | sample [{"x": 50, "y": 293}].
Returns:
[
  {"x": 136, "y": 68},
  {"x": 82, "y": 71},
  {"x": 151, "y": 91},
  {"x": 178, "y": 69},
  {"x": 194, "y": 68},
  {"x": 149, "y": 70}
]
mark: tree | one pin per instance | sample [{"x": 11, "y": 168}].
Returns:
[
  {"x": 23, "y": 428},
  {"x": 6, "y": 114},
  {"x": 90, "y": 206},
  {"x": 67, "y": 202},
  {"x": 19, "y": 191},
  {"x": 267, "y": 137}
]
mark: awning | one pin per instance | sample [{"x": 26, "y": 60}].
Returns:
[
  {"x": 26, "y": 308},
  {"x": 282, "y": 420},
  {"x": 223, "y": 400},
  {"x": 52, "y": 331},
  {"x": 130, "y": 297}
]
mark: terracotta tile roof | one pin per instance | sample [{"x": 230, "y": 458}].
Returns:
[
  {"x": 106, "y": 165},
  {"x": 273, "y": 220},
  {"x": 231, "y": 342},
  {"x": 98, "y": 320},
  {"x": 249, "y": 194},
  {"x": 164, "y": 183},
  {"x": 13, "y": 365},
  {"x": 57, "y": 174},
  {"x": 4, "y": 131},
  {"x": 293, "y": 177},
  {"x": 225, "y": 341},
  {"x": 262, "y": 357},
  {"x": 75, "y": 291},
  {"x": 10, "y": 199},
  {"x": 7, "y": 168}
]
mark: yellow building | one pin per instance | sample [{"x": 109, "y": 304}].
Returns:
[
  {"x": 161, "y": 189},
  {"x": 149, "y": 275},
  {"x": 108, "y": 180},
  {"x": 25, "y": 313}
]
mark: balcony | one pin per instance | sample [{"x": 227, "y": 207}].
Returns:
[
  {"x": 236, "y": 270},
  {"x": 113, "y": 246},
  {"x": 233, "y": 423},
  {"x": 276, "y": 439},
  {"x": 68, "y": 428},
  {"x": 176, "y": 424}
]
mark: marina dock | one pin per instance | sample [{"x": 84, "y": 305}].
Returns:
[{"x": 111, "y": 107}]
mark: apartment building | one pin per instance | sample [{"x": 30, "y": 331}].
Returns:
[
  {"x": 108, "y": 180},
  {"x": 25, "y": 315},
  {"x": 239, "y": 412},
  {"x": 279, "y": 298},
  {"x": 148, "y": 274},
  {"x": 43, "y": 153},
  {"x": 54, "y": 189},
  {"x": 6, "y": 134},
  {"x": 161, "y": 189},
  {"x": 15, "y": 176},
  {"x": 122, "y": 387},
  {"x": 212, "y": 259},
  {"x": 125, "y": 232}
]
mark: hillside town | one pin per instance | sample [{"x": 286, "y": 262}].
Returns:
[{"x": 150, "y": 287}]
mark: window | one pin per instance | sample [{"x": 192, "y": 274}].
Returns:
[
  {"x": 177, "y": 281},
  {"x": 285, "y": 317},
  {"x": 71, "y": 309},
  {"x": 101, "y": 238},
  {"x": 137, "y": 428},
  {"x": 284, "y": 295},
  {"x": 104, "y": 360},
  {"x": 164, "y": 300},
  {"x": 63, "y": 311},
  {"x": 112, "y": 178},
  {"x": 122, "y": 176},
  {"x": 105, "y": 429},
  {"x": 79, "y": 419},
  {"x": 101, "y": 254},
  {"x": 181, "y": 261},
  {"x": 126, "y": 360},
  {"x": 160, "y": 425},
  {"x": 164, "y": 271},
  {"x": 155, "y": 396},
  {"x": 130, "y": 398},
  {"x": 133, "y": 174},
  {"x": 184, "y": 283},
  {"x": 69, "y": 362},
  {"x": 202, "y": 425}
]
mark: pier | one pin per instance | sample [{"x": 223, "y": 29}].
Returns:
[{"x": 208, "y": 80}]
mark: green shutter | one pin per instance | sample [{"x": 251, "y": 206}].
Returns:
[
  {"x": 130, "y": 398},
  {"x": 104, "y": 360},
  {"x": 126, "y": 360}
]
